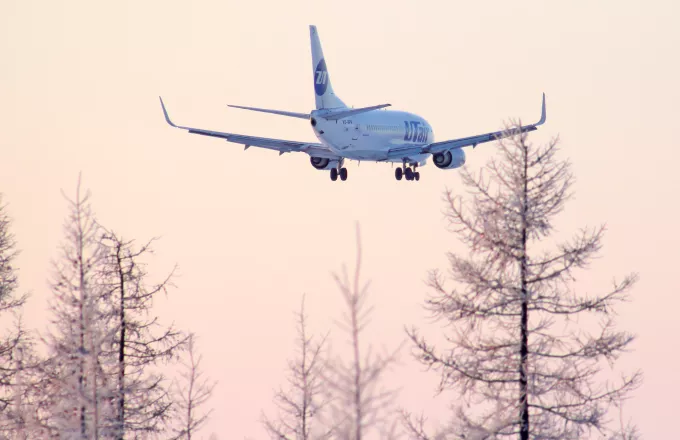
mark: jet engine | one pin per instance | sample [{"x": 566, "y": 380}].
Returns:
[
  {"x": 449, "y": 159},
  {"x": 322, "y": 163}
]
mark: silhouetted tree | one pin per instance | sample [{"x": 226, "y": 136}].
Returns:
[{"x": 526, "y": 351}]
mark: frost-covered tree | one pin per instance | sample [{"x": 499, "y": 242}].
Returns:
[
  {"x": 13, "y": 333},
  {"x": 32, "y": 397},
  {"x": 299, "y": 403},
  {"x": 140, "y": 345},
  {"x": 81, "y": 333},
  {"x": 192, "y": 392},
  {"x": 527, "y": 353},
  {"x": 360, "y": 404}
]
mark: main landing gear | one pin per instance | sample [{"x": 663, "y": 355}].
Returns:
[
  {"x": 342, "y": 173},
  {"x": 407, "y": 173}
]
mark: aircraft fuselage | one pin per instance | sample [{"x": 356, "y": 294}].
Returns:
[{"x": 369, "y": 136}]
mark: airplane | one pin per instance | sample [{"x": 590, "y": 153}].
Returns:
[{"x": 361, "y": 134}]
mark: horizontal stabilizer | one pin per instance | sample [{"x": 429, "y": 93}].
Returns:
[
  {"x": 340, "y": 114},
  {"x": 276, "y": 112}
]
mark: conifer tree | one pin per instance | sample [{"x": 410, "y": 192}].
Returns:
[
  {"x": 80, "y": 333},
  {"x": 527, "y": 352},
  {"x": 302, "y": 401},
  {"x": 192, "y": 392},
  {"x": 140, "y": 344},
  {"x": 11, "y": 303}
]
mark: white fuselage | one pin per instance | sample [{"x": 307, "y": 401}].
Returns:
[{"x": 369, "y": 136}]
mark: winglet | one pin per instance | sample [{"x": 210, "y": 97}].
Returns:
[
  {"x": 542, "y": 120},
  {"x": 165, "y": 112}
]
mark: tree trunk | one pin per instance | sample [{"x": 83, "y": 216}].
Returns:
[
  {"x": 524, "y": 338},
  {"x": 190, "y": 402},
  {"x": 358, "y": 404},
  {"x": 523, "y": 392},
  {"x": 81, "y": 371},
  {"x": 121, "y": 348},
  {"x": 305, "y": 401}
]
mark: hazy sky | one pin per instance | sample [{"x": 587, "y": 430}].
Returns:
[{"x": 252, "y": 231}]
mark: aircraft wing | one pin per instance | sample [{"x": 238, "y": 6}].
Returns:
[
  {"x": 280, "y": 145},
  {"x": 439, "y": 147}
]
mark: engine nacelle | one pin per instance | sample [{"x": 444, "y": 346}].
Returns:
[
  {"x": 449, "y": 159},
  {"x": 321, "y": 163}
]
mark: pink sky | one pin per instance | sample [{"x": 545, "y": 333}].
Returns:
[{"x": 252, "y": 231}]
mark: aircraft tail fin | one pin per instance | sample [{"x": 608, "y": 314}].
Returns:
[{"x": 323, "y": 90}]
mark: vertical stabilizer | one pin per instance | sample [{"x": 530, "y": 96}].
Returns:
[{"x": 323, "y": 90}]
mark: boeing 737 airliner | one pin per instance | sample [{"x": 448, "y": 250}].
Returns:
[{"x": 361, "y": 133}]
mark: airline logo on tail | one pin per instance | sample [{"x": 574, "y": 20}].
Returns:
[{"x": 321, "y": 78}]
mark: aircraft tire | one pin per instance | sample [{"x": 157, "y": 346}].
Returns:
[
  {"x": 343, "y": 174},
  {"x": 398, "y": 174},
  {"x": 334, "y": 174},
  {"x": 409, "y": 174}
]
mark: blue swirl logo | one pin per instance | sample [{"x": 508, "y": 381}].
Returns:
[{"x": 321, "y": 78}]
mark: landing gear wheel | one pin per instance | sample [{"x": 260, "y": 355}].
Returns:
[
  {"x": 409, "y": 174},
  {"x": 343, "y": 174},
  {"x": 334, "y": 174},
  {"x": 398, "y": 173},
  {"x": 416, "y": 175}
]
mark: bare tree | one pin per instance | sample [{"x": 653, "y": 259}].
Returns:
[
  {"x": 359, "y": 402},
  {"x": 80, "y": 334},
  {"x": 16, "y": 412},
  {"x": 9, "y": 300},
  {"x": 302, "y": 401},
  {"x": 33, "y": 394},
  {"x": 102, "y": 376},
  {"x": 140, "y": 343},
  {"x": 522, "y": 364},
  {"x": 10, "y": 305},
  {"x": 192, "y": 393}
]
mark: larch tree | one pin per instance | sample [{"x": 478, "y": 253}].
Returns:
[
  {"x": 32, "y": 394},
  {"x": 192, "y": 391},
  {"x": 528, "y": 354},
  {"x": 141, "y": 344},
  {"x": 14, "y": 335},
  {"x": 300, "y": 403},
  {"x": 81, "y": 332},
  {"x": 360, "y": 405}
]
